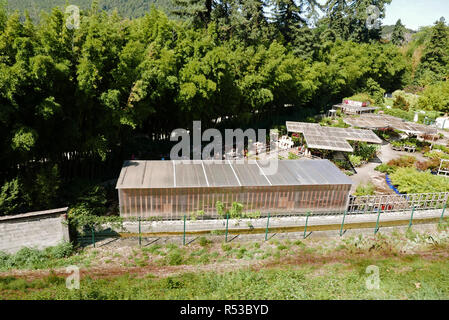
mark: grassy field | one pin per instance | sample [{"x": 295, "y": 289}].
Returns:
[{"x": 411, "y": 266}]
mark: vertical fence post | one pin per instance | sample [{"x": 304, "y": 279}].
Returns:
[
  {"x": 377, "y": 223},
  {"x": 227, "y": 223},
  {"x": 184, "y": 234},
  {"x": 266, "y": 230},
  {"x": 342, "y": 224},
  {"x": 140, "y": 234},
  {"x": 411, "y": 218},
  {"x": 93, "y": 236},
  {"x": 442, "y": 214},
  {"x": 305, "y": 228}
]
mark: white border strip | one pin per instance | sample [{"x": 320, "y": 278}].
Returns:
[
  {"x": 205, "y": 175},
  {"x": 263, "y": 173}
]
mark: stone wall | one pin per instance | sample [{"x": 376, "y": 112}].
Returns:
[{"x": 35, "y": 230}]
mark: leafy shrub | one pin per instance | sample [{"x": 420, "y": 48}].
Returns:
[
  {"x": 365, "y": 151},
  {"x": 292, "y": 156},
  {"x": 410, "y": 180},
  {"x": 362, "y": 97},
  {"x": 432, "y": 164},
  {"x": 365, "y": 189},
  {"x": 402, "y": 162},
  {"x": 175, "y": 258},
  {"x": 436, "y": 155},
  {"x": 194, "y": 215},
  {"x": 235, "y": 212},
  {"x": 355, "y": 160},
  {"x": 388, "y": 134},
  {"x": 385, "y": 168},
  {"x": 13, "y": 199},
  {"x": 203, "y": 241},
  {"x": 34, "y": 258},
  {"x": 407, "y": 115}
]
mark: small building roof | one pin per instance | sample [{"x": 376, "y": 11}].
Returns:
[
  {"x": 221, "y": 173},
  {"x": 355, "y": 108},
  {"x": 381, "y": 121},
  {"x": 329, "y": 138}
]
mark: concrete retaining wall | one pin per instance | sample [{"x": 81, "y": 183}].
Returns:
[
  {"x": 35, "y": 230},
  {"x": 177, "y": 226}
]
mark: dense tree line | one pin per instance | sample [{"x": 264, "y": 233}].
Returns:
[
  {"x": 95, "y": 88},
  {"x": 128, "y": 8}
]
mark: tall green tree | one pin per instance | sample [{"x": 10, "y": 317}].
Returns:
[
  {"x": 291, "y": 15},
  {"x": 434, "y": 65},
  {"x": 337, "y": 16},
  {"x": 198, "y": 12},
  {"x": 243, "y": 19},
  {"x": 398, "y": 35},
  {"x": 356, "y": 20}
]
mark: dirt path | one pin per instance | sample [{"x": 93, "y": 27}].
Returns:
[
  {"x": 379, "y": 250},
  {"x": 367, "y": 173}
]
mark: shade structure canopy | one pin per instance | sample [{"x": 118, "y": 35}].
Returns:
[
  {"x": 354, "y": 109},
  {"x": 329, "y": 138},
  {"x": 383, "y": 121},
  {"x": 212, "y": 173}
]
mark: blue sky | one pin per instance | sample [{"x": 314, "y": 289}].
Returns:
[{"x": 416, "y": 13}]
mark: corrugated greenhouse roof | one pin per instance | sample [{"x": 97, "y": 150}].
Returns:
[
  {"x": 329, "y": 138},
  {"x": 213, "y": 173}
]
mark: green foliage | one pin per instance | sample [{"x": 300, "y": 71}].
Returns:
[
  {"x": 385, "y": 168},
  {"x": 33, "y": 258},
  {"x": 367, "y": 189},
  {"x": 95, "y": 89},
  {"x": 203, "y": 241},
  {"x": 292, "y": 156},
  {"x": 90, "y": 211},
  {"x": 365, "y": 151},
  {"x": 398, "y": 35},
  {"x": 434, "y": 63},
  {"x": 355, "y": 160},
  {"x": 13, "y": 199},
  {"x": 410, "y": 180},
  {"x": 403, "y": 162},
  {"x": 435, "y": 97},
  {"x": 128, "y": 8},
  {"x": 194, "y": 215},
  {"x": 401, "y": 103},
  {"x": 362, "y": 97}
]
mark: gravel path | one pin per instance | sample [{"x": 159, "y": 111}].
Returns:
[{"x": 367, "y": 173}]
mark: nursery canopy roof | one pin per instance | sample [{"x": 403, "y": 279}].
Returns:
[
  {"x": 329, "y": 138},
  {"x": 354, "y": 108},
  {"x": 213, "y": 173},
  {"x": 381, "y": 121}
]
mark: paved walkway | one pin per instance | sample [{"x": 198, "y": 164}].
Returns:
[{"x": 367, "y": 173}]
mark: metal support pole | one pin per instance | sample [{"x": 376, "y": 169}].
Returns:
[
  {"x": 442, "y": 214},
  {"x": 377, "y": 223},
  {"x": 266, "y": 230},
  {"x": 411, "y": 218},
  {"x": 305, "y": 228},
  {"x": 140, "y": 234},
  {"x": 184, "y": 234},
  {"x": 342, "y": 224},
  {"x": 227, "y": 223}
]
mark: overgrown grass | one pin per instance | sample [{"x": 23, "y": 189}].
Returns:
[
  {"x": 412, "y": 265},
  {"x": 399, "y": 279},
  {"x": 29, "y": 258}
]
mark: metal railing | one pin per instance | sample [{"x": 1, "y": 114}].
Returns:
[{"x": 397, "y": 202}]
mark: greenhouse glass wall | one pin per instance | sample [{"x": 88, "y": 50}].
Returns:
[{"x": 172, "y": 189}]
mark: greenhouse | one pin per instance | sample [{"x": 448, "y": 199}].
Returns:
[{"x": 172, "y": 189}]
